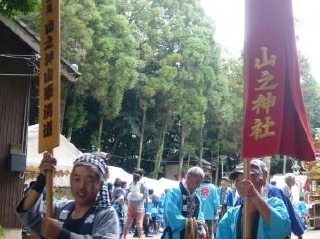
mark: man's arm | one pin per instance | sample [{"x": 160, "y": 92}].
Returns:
[
  {"x": 33, "y": 195},
  {"x": 263, "y": 208},
  {"x": 279, "y": 218},
  {"x": 172, "y": 210},
  {"x": 144, "y": 190},
  {"x": 30, "y": 209},
  {"x": 48, "y": 163},
  {"x": 31, "y": 217}
]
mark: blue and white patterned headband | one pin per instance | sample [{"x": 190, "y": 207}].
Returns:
[{"x": 92, "y": 159}]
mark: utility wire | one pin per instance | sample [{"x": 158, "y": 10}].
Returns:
[{"x": 31, "y": 61}]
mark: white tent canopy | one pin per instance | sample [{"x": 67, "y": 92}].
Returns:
[
  {"x": 65, "y": 153},
  {"x": 296, "y": 189}
]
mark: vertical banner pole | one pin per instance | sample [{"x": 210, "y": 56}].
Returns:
[
  {"x": 49, "y": 87},
  {"x": 275, "y": 118},
  {"x": 246, "y": 203},
  {"x": 49, "y": 191},
  {"x": 274, "y": 111}
]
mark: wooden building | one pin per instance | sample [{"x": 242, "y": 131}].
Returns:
[
  {"x": 171, "y": 166},
  {"x": 19, "y": 55}
]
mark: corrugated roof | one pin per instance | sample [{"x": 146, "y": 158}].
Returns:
[{"x": 20, "y": 29}]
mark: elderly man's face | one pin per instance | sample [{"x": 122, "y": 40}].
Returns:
[
  {"x": 291, "y": 182},
  {"x": 194, "y": 181},
  {"x": 84, "y": 185},
  {"x": 254, "y": 178}
]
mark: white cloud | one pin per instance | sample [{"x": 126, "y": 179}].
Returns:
[{"x": 229, "y": 19}]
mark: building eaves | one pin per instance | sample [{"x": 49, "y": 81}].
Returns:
[{"x": 19, "y": 28}]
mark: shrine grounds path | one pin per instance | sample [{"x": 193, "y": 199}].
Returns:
[{"x": 309, "y": 234}]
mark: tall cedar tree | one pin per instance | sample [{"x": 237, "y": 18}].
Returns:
[{"x": 111, "y": 64}]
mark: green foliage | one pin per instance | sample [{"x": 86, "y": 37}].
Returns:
[
  {"x": 76, "y": 39},
  {"x": 62, "y": 193},
  {"x": 76, "y": 15},
  {"x": 159, "y": 57},
  {"x": 311, "y": 93},
  {"x": 180, "y": 81},
  {"x": 76, "y": 33},
  {"x": 1, "y": 231},
  {"x": 110, "y": 68},
  {"x": 10, "y": 8},
  {"x": 224, "y": 115},
  {"x": 276, "y": 165},
  {"x": 76, "y": 115}
]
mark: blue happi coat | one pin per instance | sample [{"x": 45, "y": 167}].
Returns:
[
  {"x": 297, "y": 226},
  {"x": 279, "y": 223},
  {"x": 173, "y": 216}
]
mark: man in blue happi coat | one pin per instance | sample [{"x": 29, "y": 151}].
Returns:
[
  {"x": 226, "y": 196},
  {"x": 269, "y": 190},
  {"x": 269, "y": 218},
  {"x": 210, "y": 202},
  {"x": 182, "y": 203}
]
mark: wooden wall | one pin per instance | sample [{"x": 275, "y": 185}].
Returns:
[
  {"x": 14, "y": 98},
  {"x": 17, "y": 79},
  {"x": 12, "y": 131}
]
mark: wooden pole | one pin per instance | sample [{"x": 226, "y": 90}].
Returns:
[
  {"x": 49, "y": 191},
  {"x": 49, "y": 88},
  {"x": 284, "y": 164},
  {"x": 246, "y": 204}
]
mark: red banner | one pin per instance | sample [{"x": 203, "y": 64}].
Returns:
[{"x": 275, "y": 120}]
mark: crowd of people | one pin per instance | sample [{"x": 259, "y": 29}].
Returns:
[
  {"x": 271, "y": 212},
  {"x": 103, "y": 209}
]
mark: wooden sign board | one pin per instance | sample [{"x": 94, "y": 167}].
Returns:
[{"x": 49, "y": 85}]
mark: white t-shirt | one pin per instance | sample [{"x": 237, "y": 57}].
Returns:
[
  {"x": 287, "y": 191},
  {"x": 135, "y": 193}
]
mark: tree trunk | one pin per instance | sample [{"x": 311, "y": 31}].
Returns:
[
  {"x": 267, "y": 161},
  {"x": 158, "y": 159},
  {"x": 144, "y": 112},
  {"x": 69, "y": 126},
  {"x": 64, "y": 95},
  {"x": 115, "y": 143},
  {"x": 201, "y": 148},
  {"x": 69, "y": 133},
  {"x": 181, "y": 154},
  {"x": 188, "y": 161},
  {"x": 99, "y": 134},
  {"x": 284, "y": 170},
  {"x": 217, "y": 168}
]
